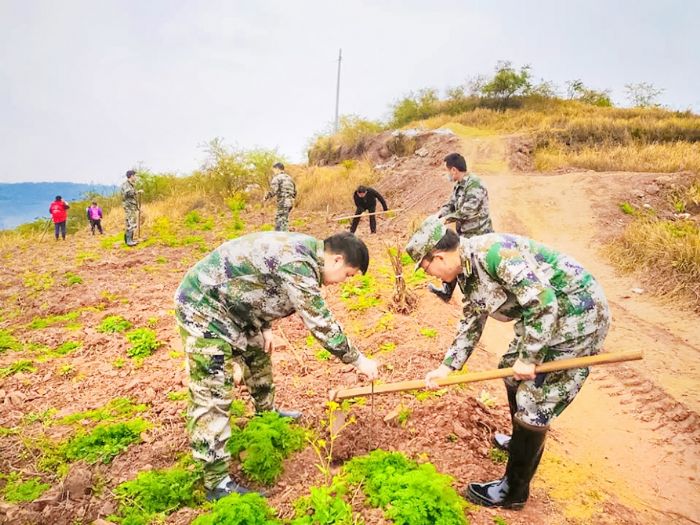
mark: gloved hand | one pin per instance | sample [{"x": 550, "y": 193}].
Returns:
[
  {"x": 438, "y": 373},
  {"x": 268, "y": 340},
  {"x": 368, "y": 367}
]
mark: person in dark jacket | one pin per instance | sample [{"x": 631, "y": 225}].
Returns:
[
  {"x": 59, "y": 215},
  {"x": 366, "y": 200}
]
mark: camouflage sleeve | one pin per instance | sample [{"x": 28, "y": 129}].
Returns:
[
  {"x": 128, "y": 191},
  {"x": 469, "y": 207},
  {"x": 274, "y": 184},
  {"x": 468, "y": 334},
  {"x": 446, "y": 208},
  {"x": 299, "y": 281},
  {"x": 537, "y": 298}
]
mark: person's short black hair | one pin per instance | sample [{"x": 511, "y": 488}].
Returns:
[
  {"x": 58, "y": 197},
  {"x": 130, "y": 174},
  {"x": 94, "y": 202},
  {"x": 351, "y": 247},
  {"x": 278, "y": 165},
  {"x": 448, "y": 243},
  {"x": 361, "y": 189},
  {"x": 455, "y": 160}
]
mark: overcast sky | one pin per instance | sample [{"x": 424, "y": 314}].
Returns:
[{"x": 90, "y": 88}]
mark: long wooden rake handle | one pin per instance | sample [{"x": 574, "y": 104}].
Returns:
[
  {"x": 499, "y": 373},
  {"x": 372, "y": 213}
]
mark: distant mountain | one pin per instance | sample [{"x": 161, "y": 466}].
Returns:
[{"x": 25, "y": 201}]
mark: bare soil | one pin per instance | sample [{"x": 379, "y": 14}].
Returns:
[{"x": 626, "y": 451}]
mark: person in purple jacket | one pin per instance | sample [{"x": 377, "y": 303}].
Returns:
[{"x": 94, "y": 215}]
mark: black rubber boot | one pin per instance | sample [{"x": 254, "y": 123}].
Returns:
[
  {"x": 231, "y": 488},
  {"x": 445, "y": 292},
  {"x": 129, "y": 239},
  {"x": 513, "y": 489},
  {"x": 499, "y": 440}
]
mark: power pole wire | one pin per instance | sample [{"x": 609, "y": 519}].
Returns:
[{"x": 337, "y": 89}]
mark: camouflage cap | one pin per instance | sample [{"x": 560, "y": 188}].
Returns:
[{"x": 423, "y": 241}]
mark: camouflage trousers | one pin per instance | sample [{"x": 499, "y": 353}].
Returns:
[
  {"x": 210, "y": 366},
  {"x": 542, "y": 399},
  {"x": 282, "y": 218},
  {"x": 131, "y": 217}
]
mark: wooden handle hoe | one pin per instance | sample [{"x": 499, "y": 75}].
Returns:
[
  {"x": 361, "y": 214},
  {"x": 500, "y": 373}
]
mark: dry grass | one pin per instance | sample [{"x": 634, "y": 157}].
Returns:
[
  {"x": 330, "y": 187},
  {"x": 665, "y": 254},
  {"x": 661, "y": 157}
]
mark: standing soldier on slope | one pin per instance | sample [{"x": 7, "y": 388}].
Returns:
[
  {"x": 131, "y": 207},
  {"x": 282, "y": 186},
  {"x": 225, "y": 306},
  {"x": 560, "y": 312},
  {"x": 468, "y": 208}
]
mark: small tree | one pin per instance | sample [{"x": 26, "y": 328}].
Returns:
[
  {"x": 507, "y": 83},
  {"x": 576, "y": 90},
  {"x": 643, "y": 95}
]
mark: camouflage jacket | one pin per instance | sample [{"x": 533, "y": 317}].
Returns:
[
  {"x": 282, "y": 186},
  {"x": 468, "y": 207},
  {"x": 509, "y": 277},
  {"x": 129, "y": 195},
  {"x": 248, "y": 282}
]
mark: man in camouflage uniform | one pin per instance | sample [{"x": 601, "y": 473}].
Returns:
[
  {"x": 468, "y": 208},
  {"x": 560, "y": 312},
  {"x": 282, "y": 186},
  {"x": 131, "y": 207},
  {"x": 224, "y": 307}
]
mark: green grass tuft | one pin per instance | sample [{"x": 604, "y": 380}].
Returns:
[
  {"x": 104, "y": 442},
  {"x": 324, "y": 506},
  {"x": 117, "y": 408},
  {"x": 249, "y": 509},
  {"x": 113, "y": 324},
  {"x": 23, "y": 365},
  {"x": 9, "y": 342},
  {"x": 143, "y": 343},
  {"x": 267, "y": 440},
  {"x": 16, "y": 490}
]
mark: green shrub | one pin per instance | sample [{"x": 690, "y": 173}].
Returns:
[
  {"x": 117, "y": 408},
  {"x": 410, "y": 494},
  {"x": 154, "y": 494},
  {"x": 267, "y": 440},
  {"x": 195, "y": 221},
  {"x": 113, "y": 324},
  {"x": 249, "y": 509},
  {"x": 429, "y": 332},
  {"x": 23, "y": 365},
  {"x": 104, "y": 442},
  {"x": 143, "y": 343},
  {"x": 238, "y": 408},
  {"x": 325, "y": 506},
  {"x": 17, "y": 490}
]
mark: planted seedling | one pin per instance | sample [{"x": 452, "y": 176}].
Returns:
[
  {"x": 16, "y": 490},
  {"x": 234, "y": 509},
  {"x": 113, "y": 324},
  {"x": 325, "y": 506},
  {"x": 104, "y": 442},
  {"x": 143, "y": 343}
]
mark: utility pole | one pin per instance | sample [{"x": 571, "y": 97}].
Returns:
[{"x": 337, "y": 89}]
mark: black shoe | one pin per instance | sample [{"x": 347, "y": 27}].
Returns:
[
  {"x": 501, "y": 441},
  {"x": 129, "y": 239},
  {"x": 513, "y": 489},
  {"x": 231, "y": 488}
]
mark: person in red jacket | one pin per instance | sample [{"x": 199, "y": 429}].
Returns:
[{"x": 59, "y": 214}]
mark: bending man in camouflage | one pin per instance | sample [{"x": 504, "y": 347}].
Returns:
[
  {"x": 560, "y": 312},
  {"x": 468, "y": 208},
  {"x": 224, "y": 307},
  {"x": 282, "y": 186},
  {"x": 131, "y": 207}
]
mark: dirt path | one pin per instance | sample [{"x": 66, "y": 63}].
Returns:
[{"x": 634, "y": 429}]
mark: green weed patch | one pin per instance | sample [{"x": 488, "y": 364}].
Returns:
[
  {"x": 104, "y": 442},
  {"x": 16, "y": 490},
  {"x": 143, "y": 343},
  {"x": 360, "y": 293},
  {"x": 430, "y": 333},
  {"x": 40, "y": 323},
  {"x": 263, "y": 444},
  {"x": 323, "y": 355},
  {"x": 154, "y": 494},
  {"x": 410, "y": 494},
  {"x": 23, "y": 365},
  {"x": 113, "y": 324},
  {"x": 194, "y": 221},
  {"x": 72, "y": 279},
  {"x": 325, "y": 506},
  {"x": 60, "y": 351},
  {"x": 117, "y": 408},
  {"x": 249, "y": 509},
  {"x": 37, "y": 282},
  {"x": 9, "y": 342}
]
